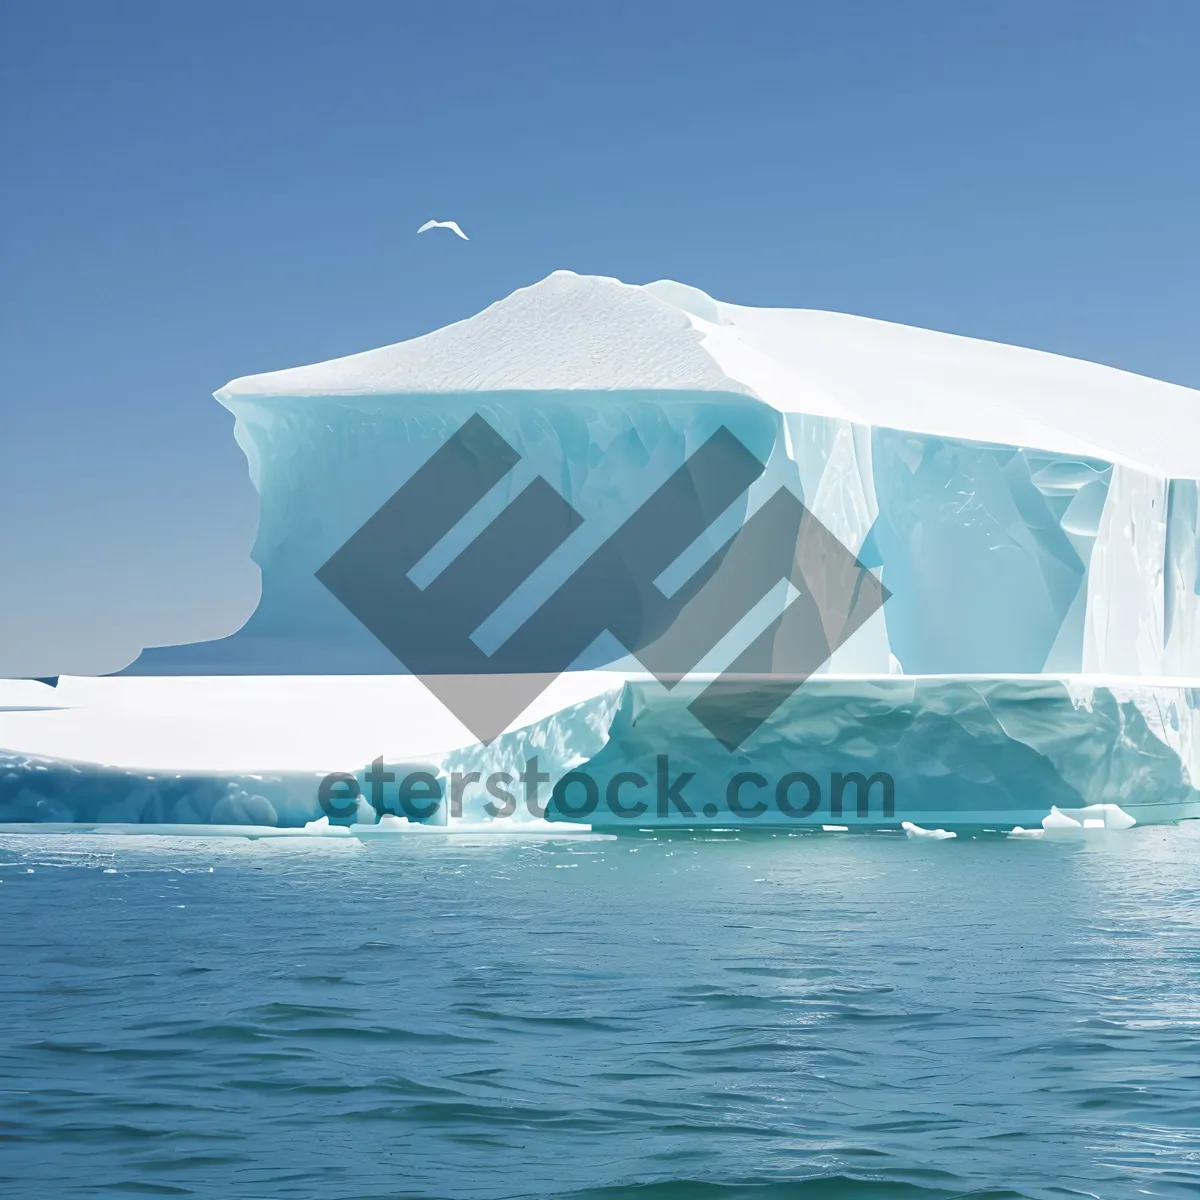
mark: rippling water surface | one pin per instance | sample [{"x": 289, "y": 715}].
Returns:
[{"x": 719, "y": 1016}]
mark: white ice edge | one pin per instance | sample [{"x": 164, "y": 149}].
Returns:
[
  {"x": 323, "y": 723},
  {"x": 587, "y": 332},
  {"x": 516, "y": 830},
  {"x": 1090, "y": 817},
  {"x": 915, "y": 831}
]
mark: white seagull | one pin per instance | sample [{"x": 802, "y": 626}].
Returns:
[{"x": 444, "y": 225}]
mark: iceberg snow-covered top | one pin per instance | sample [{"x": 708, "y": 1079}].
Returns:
[{"x": 588, "y": 332}]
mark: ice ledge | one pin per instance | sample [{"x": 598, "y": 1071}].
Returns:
[{"x": 940, "y": 752}]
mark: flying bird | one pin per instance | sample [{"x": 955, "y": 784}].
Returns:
[{"x": 444, "y": 225}]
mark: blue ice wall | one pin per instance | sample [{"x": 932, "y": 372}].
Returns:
[
  {"x": 985, "y": 548},
  {"x": 323, "y": 465},
  {"x": 983, "y": 574}
]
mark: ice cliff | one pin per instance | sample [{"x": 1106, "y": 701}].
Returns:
[{"x": 1028, "y": 512}]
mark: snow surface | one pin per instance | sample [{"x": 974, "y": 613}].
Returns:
[
  {"x": 232, "y": 723},
  {"x": 592, "y": 333},
  {"x": 572, "y": 332}
]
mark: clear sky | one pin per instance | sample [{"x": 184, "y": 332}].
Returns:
[{"x": 193, "y": 192}]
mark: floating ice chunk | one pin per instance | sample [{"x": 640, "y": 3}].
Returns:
[
  {"x": 1030, "y": 834},
  {"x": 391, "y": 823},
  {"x": 322, "y": 827},
  {"x": 1101, "y": 816},
  {"x": 1057, "y": 819},
  {"x": 915, "y": 831},
  {"x": 1092, "y": 816},
  {"x": 836, "y": 828}
]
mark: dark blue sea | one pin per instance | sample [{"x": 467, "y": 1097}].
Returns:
[{"x": 853, "y": 1016}]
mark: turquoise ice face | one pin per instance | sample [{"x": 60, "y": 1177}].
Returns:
[{"x": 986, "y": 549}]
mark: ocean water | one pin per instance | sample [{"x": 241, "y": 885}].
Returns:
[{"x": 713, "y": 1016}]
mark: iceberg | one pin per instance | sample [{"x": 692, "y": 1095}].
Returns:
[
  {"x": 1027, "y": 512},
  {"x": 1035, "y": 521}
]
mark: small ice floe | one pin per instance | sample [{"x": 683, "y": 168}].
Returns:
[
  {"x": 1057, "y": 819},
  {"x": 1029, "y": 834},
  {"x": 915, "y": 831},
  {"x": 539, "y": 827},
  {"x": 391, "y": 823},
  {"x": 1072, "y": 821},
  {"x": 836, "y": 828},
  {"x": 323, "y": 827}
]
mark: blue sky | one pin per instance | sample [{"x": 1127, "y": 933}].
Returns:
[{"x": 196, "y": 192}]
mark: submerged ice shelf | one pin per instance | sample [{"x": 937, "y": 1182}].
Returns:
[
  {"x": 1035, "y": 519},
  {"x": 937, "y": 752}
]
